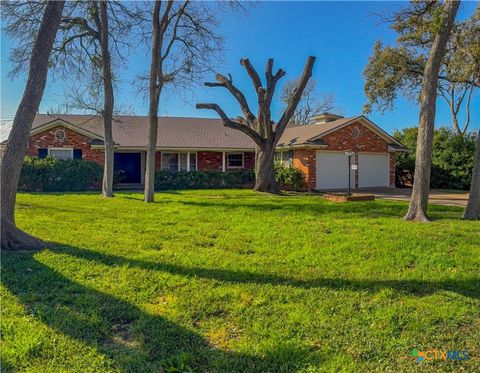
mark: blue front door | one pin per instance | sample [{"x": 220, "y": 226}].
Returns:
[{"x": 128, "y": 166}]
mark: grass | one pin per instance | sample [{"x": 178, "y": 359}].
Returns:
[{"x": 234, "y": 281}]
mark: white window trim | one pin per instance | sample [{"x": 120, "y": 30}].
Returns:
[
  {"x": 236, "y": 167},
  {"x": 178, "y": 155},
  {"x": 196, "y": 161},
  {"x": 71, "y": 151},
  {"x": 282, "y": 161}
]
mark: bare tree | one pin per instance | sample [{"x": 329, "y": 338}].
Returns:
[
  {"x": 83, "y": 42},
  {"x": 472, "y": 211},
  {"x": 423, "y": 162},
  {"x": 101, "y": 21},
  {"x": 261, "y": 128},
  {"x": 182, "y": 49},
  {"x": 311, "y": 103},
  {"x": 13, "y": 238}
]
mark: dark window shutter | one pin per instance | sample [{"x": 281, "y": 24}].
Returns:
[
  {"x": 42, "y": 153},
  {"x": 77, "y": 153}
]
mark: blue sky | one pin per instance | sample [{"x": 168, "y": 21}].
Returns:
[{"x": 340, "y": 34}]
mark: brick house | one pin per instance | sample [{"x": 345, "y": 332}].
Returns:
[{"x": 205, "y": 144}]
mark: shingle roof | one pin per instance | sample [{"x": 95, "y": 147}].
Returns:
[
  {"x": 173, "y": 132},
  {"x": 303, "y": 134},
  {"x": 198, "y": 133}
]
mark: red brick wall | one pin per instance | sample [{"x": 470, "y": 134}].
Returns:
[
  {"x": 306, "y": 161},
  {"x": 209, "y": 161},
  {"x": 393, "y": 161},
  {"x": 344, "y": 139},
  {"x": 341, "y": 140},
  {"x": 249, "y": 161},
  {"x": 158, "y": 161},
  {"x": 47, "y": 139}
]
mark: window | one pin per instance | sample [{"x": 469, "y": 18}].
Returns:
[
  {"x": 60, "y": 135},
  {"x": 284, "y": 157},
  {"x": 193, "y": 161},
  {"x": 61, "y": 153},
  {"x": 235, "y": 160},
  {"x": 170, "y": 161},
  {"x": 42, "y": 153},
  {"x": 179, "y": 161}
]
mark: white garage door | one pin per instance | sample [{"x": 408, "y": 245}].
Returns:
[
  {"x": 332, "y": 171},
  {"x": 373, "y": 170}
]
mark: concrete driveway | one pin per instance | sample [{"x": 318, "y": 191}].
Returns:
[{"x": 437, "y": 196}]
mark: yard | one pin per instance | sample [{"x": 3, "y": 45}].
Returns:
[{"x": 233, "y": 281}]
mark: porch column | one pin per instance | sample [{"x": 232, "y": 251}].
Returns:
[
  {"x": 223, "y": 162},
  {"x": 188, "y": 161}
]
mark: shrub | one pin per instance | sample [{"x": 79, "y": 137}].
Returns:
[
  {"x": 452, "y": 159},
  {"x": 288, "y": 177},
  {"x": 52, "y": 175},
  {"x": 165, "y": 180}
]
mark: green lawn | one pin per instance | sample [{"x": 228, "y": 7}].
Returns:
[{"x": 234, "y": 281}]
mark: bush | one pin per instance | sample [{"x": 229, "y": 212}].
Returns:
[
  {"x": 165, "y": 180},
  {"x": 288, "y": 177},
  {"x": 452, "y": 160},
  {"x": 52, "y": 175}
]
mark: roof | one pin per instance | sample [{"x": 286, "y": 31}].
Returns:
[
  {"x": 195, "y": 133},
  {"x": 173, "y": 132},
  {"x": 305, "y": 134}
]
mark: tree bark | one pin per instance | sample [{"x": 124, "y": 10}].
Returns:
[
  {"x": 108, "y": 104},
  {"x": 155, "y": 87},
  {"x": 13, "y": 238},
  {"x": 265, "y": 170},
  {"x": 472, "y": 211},
  {"x": 419, "y": 201}
]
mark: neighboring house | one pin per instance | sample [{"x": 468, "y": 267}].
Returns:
[{"x": 205, "y": 144}]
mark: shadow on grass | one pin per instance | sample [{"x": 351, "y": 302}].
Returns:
[
  {"x": 468, "y": 287},
  {"x": 132, "y": 339}
]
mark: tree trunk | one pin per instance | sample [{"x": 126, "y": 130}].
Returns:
[
  {"x": 13, "y": 238},
  {"x": 150, "y": 163},
  {"x": 472, "y": 211},
  {"x": 108, "y": 104},
  {"x": 155, "y": 88},
  {"x": 428, "y": 96},
  {"x": 265, "y": 170}
]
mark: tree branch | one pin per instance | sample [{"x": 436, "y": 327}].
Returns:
[
  {"x": 227, "y": 122},
  {"x": 297, "y": 94},
  {"x": 272, "y": 81},
  {"x": 252, "y": 73},
  {"x": 227, "y": 83}
]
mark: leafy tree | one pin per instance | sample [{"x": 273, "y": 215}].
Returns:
[
  {"x": 428, "y": 96},
  {"x": 13, "y": 238},
  {"x": 452, "y": 157},
  {"x": 394, "y": 70},
  {"x": 472, "y": 211}
]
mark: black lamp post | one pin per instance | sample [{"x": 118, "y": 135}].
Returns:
[{"x": 349, "y": 154}]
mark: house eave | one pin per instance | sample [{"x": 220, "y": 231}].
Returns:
[
  {"x": 63, "y": 123},
  {"x": 119, "y": 148}
]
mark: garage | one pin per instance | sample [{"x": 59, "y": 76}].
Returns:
[
  {"x": 332, "y": 170},
  {"x": 373, "y": 170}
]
